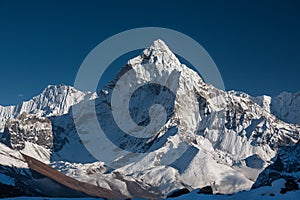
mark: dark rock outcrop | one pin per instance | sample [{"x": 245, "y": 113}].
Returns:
[
  {"x": 286, "y": 166},
  {"x": 178, "y": 193},
  {"x": 28, "y": 128},
  {"x": 290, "y": 185},
  {"x": 206, "y": 190}
]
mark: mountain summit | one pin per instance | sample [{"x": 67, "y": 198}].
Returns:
[{"x": 177, "y": 132}]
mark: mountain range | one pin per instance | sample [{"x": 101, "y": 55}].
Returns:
[{"x": 227, "y": 141}]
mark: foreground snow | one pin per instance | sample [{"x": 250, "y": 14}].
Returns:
[{"x": 267, "y": 192}]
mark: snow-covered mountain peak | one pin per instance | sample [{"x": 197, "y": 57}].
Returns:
[
  {"x": 157, "y": 47},
  {"x": 158, "y": 55},
  {"x": 158, "y": 64},
  {"x": 54, "y": 100},
  {"x": 221, "y": 132},
  {"x": 60, "y": 88}
]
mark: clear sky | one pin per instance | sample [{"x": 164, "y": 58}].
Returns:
[{"x": 255, "y": 44}]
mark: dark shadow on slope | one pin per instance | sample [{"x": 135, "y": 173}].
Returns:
[
  {"x": 159, "y": 142},
  {"x": 67, "y": 145},
  {"x": 254, "y": 161},
  {"x": 251, "y": 128},
  {"x": 184, "y": 161},
  {"x": 143, "y": 98}
]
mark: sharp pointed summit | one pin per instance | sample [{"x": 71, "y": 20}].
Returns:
[
  {"x": 159, "y": 54},
  {"x": 159, "y": 47},
  {"x": 159, "y": 44}
]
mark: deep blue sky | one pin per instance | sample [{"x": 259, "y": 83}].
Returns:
[{"x": 255, "y": 44}]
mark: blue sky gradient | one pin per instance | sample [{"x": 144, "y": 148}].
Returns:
[{"x": 255, "y": 44}]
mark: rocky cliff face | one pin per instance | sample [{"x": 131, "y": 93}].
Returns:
[{"x": 28, "y": 128}]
